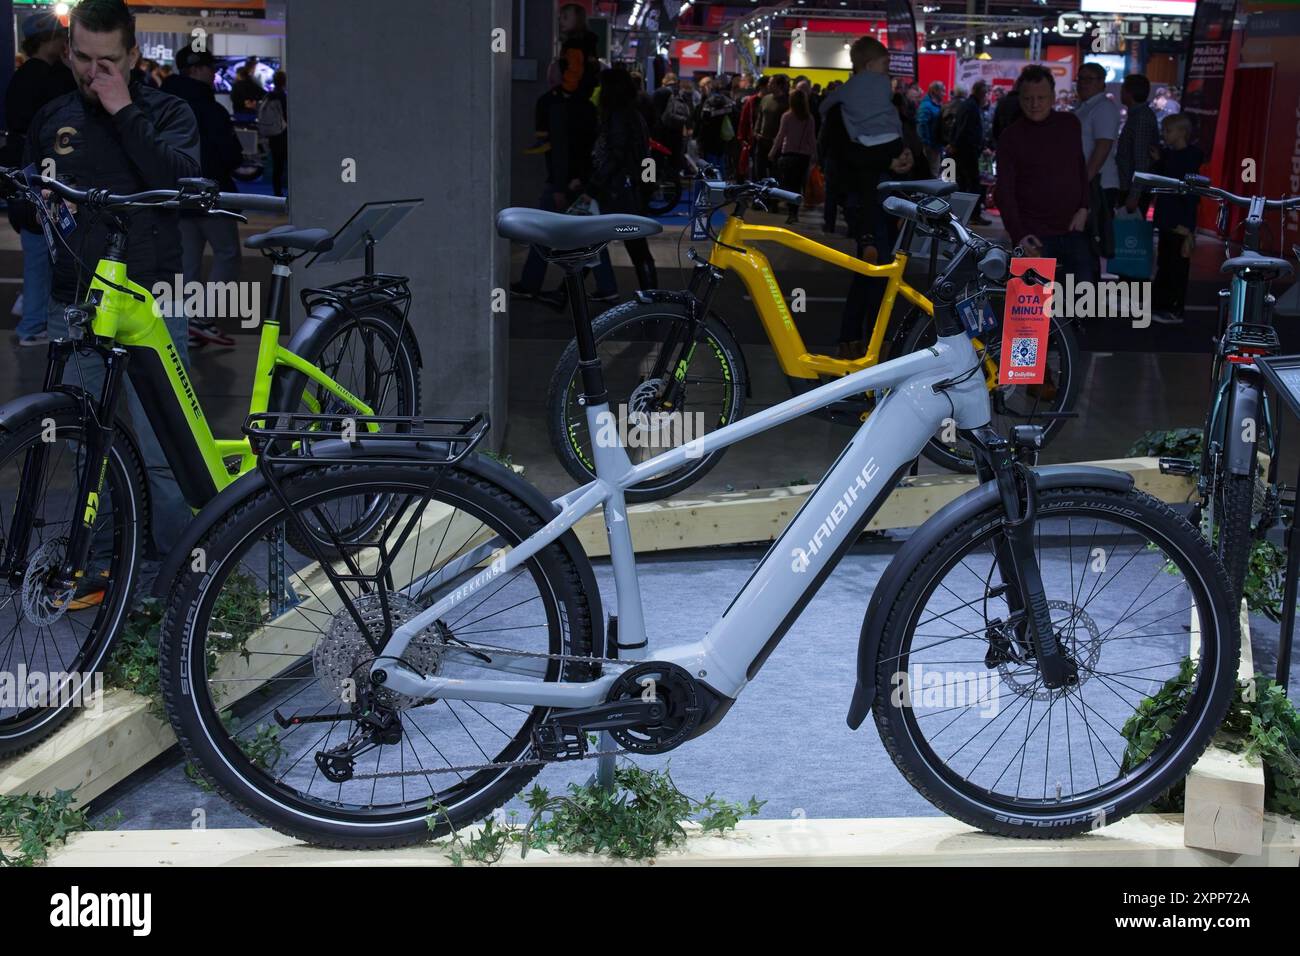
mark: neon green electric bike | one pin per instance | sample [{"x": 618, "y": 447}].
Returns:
[{"x": 74, "y": 496}]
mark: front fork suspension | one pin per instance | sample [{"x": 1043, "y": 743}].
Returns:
[{"x": 1000, "y": 460}]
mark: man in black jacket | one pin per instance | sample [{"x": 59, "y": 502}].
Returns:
[
  {"x": 968, "y": 144},
  {"x": 125, "y": 138},
  {"x": 220, "y": 155}
]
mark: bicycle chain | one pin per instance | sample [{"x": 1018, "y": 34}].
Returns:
[{"x": 510, "y": 764}]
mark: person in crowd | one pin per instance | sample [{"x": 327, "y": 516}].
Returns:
[
  {"x": 927, "y": 121},
  {"x": 947, "y": 122},
  {"x": 673, "y": 110},
  {"x": 42, "y": 77},
  {"x": 126, "y": 137},
  {"x": 1006, "y": 112},
  {"x": 147, "y": 72},
  {"x": 770, "y": 110},
  {"x": 968, "y": 144},
  {"x": 1042, "y": 189},
  {"x": 1136, "y": 140},
  {"x": 873, "y": 137},
  {"x": 1100, "y": 118},
  {"x": 622, "y": 142},
  {"x": 579, "y": 50},
  {"x": 273, "y": 126},
  {"x": 746, "y": 130},
  {"x": 246, "y": 93},
  {"x": 219, "y": 156},
  {"x": 565, "y": 131},
  {"x": 713, "y": 128},
  {"x": 1175, "y": 220},
  {"x": 1165, "y": 103},
  {"x": 792, "y": 150}
]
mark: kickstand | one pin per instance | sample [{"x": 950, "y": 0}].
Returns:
[{"x": 604, "y": 775}]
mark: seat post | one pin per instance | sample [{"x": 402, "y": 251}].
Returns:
[{"x": 593, "y": 379}]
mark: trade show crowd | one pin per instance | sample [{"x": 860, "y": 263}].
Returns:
[{"x": 1057, "y": 164}]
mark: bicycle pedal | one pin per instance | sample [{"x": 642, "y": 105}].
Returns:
[
  {"x": 1177, "y": 466},
  {"x": 554, "y": 741}
]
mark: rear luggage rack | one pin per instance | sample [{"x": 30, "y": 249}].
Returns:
[
  {"x": 292, "y": 438},
  {"x": 1252, "y": 337}
]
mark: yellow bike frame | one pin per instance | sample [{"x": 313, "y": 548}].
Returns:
[{"x": 756, "y": 273}]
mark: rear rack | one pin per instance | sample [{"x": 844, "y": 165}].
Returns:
[
  {"x": 295, "y": 438},
  {"x": 352, "y": 294},
  {"x": 1253, "y": 337}
]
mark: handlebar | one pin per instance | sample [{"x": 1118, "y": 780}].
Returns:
[
  {"x": 1201, "y": 186},
  {"x": 748, "y": 192},
  {"x": 200, "y": 194}
]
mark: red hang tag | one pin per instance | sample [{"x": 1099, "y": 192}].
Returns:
[{"x": 1025, "y": 324}]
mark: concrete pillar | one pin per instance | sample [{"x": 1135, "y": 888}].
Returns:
[
  {"x": 413, "y": 94},
  {"x": 532, "y": 48}
]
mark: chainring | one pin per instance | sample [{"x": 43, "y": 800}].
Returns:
[
  {"x": 676, "y": 688},
  {"x": 342, "y": 656}
]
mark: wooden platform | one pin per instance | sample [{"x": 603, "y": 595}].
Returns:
[{"x": 1141, "y": 840}]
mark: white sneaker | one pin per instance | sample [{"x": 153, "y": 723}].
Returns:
[{"x": 32, "y": 341}]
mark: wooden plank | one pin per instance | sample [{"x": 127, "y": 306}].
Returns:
[
  {"x": 1139, "y": 840},
  {"x": 1224, "y": 805},
  {"x": 747, "y": 517}
]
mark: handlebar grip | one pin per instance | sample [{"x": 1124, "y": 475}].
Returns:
[
  {"x": 251, "y": 201},
  {"x": 903, "y": 208},
  {"x": 785, "y": 196},
  {"x": 1162, "y": 182}
]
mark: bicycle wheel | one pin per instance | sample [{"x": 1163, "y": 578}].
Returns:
[
  {"x": 52, "y": 644},
  {"x": 960, "y": 704},
  {"x": 374, "y": 359},
  {"x": 1012, "y": 404},
  {"x": 233, "y": 664},
  {"x": 664, "y": 197},
  {"x": 630, "y": 341}
]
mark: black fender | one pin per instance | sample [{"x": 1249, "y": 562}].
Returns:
[
  {"x": 310, "y": 337},
  {"x": 71, "y": 400},
  {"x": 254, "y": 482},
  {"x": 1244, "y": 402},
  {"x": 972, "y": 503},
  {"x": 687, "y": 300}
]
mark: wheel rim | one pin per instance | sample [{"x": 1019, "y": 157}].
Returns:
[
  {"x": 287, "y": 777},
  {"x": 1065, "y": 747}
]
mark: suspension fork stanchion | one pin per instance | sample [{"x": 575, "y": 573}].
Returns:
[
  {"x": 100, "y": 430},
  {"x": 1017, "y": 562},
  {"x": 33, "y": 473}
]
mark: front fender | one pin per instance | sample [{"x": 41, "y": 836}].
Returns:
[
  {"x": 252, "y": 483},
  {"x": 972, "y": 503}
]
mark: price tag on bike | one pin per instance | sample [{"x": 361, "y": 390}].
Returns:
[
  {"x": 977, "y": 315},
  {"x": 1025, "y": 323}
]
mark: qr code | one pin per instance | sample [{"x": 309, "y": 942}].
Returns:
[{"x": 1024, "y": 353}]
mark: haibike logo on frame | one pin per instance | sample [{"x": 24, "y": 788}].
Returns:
[
  {"x": 801, "y": 556},
  {"x": 76, "y": 909}
]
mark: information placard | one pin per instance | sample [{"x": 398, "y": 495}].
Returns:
[{"x": 1025, "y": 324}]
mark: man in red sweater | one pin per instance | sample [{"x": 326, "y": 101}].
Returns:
[{"x": 1042, "y": 188}]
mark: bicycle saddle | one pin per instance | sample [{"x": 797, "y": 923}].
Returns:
[
  {"x": 555, "y": 230},
  {"x": 288, "y": 237},
  {"x": 1266, "y": 266},
  {"x": 924, "y": 187}
]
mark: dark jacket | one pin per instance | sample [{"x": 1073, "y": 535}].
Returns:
[
  {"x": 34, "y": 84},
  {"x": 968, "y": 128},
  {"x": 621, "y": 145},
  {"x": 243, "y": 92},
  {"x": 1172, "y": 210},
  {"x": 149, "y": 144},
  {"x": 219, "y": 150}
]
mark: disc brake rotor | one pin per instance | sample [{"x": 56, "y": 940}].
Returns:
[
  {"x": 41, "y": 605},
  {"x": 1080, "y": 639},
  {"x": 342, "y": 656}
]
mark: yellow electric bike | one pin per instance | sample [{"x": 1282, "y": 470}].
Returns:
[{"x": 674, "y": 368}]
